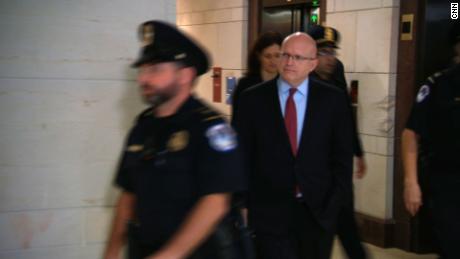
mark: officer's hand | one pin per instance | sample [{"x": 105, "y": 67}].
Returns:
[
  {"x": 360, "y": 167},
  {"x": 412, "y": 198}
]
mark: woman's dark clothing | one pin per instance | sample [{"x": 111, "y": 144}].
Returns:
[{"x": 244, "y": 83}]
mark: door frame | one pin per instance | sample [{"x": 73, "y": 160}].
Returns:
[{"x": 255, "y": 8}]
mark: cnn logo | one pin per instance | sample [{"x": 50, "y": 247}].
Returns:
[{"x": 454, "y": 11}]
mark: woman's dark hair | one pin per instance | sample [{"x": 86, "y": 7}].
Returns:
[{"x": 265, "y": 40}]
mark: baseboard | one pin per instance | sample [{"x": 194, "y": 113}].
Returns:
[{"x": 378, "y": 232}]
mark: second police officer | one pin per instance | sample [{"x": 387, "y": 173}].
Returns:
[{"x": 434, "y": 126}]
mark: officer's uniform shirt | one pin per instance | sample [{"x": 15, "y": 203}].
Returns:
[
  {"x": 338, "y": 80},
  {"x": 436, "y": 118},
  {"x": 170, "y": 162}
]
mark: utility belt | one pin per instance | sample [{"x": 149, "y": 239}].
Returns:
[{"x": 230, "y": 240}]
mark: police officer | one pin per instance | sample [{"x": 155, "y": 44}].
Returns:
[
  {"x": 331, "y": 71},
  {"x": 434, "y": 123},
  {"x": 180, "y": 164}
]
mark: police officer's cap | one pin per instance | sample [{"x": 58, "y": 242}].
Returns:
[
  {"x": 324, "y": 36},
  {"x": 163, "y": 42}
]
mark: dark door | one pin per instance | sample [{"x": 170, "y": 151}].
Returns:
[
  {"x": 436, "y": 51},
  {"x": 290, "y": 18},
  {"x": 283, "y": 16}
]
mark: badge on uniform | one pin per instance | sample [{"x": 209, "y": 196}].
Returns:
[
  {"x": 221, "y": 137},
  {"x": 423, "y": 93},
  {"x": 328, "y": 34},
  {"x": 178, "y": 141},
  {"x": 148, "y": 34}
]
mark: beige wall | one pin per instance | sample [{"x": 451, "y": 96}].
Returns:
[
  {"x": 67, "y": 100},
  {"x": 221, "y": 26},
  {"x": 369, "y": 30}
]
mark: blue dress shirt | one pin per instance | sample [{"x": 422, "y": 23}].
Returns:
[{"x": 300, "y": 99}]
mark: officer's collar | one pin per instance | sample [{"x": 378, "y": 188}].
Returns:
[{"x": 187, "y": 105}]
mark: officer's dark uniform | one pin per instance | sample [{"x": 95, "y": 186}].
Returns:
[
  {"x": 347, "y": 229},
  {"x": 329, "y": 37},
  {"x": 169, "y": 163},
  {"x": 435, "y": 118}
]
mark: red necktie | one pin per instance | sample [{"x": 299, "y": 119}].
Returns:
[{"x": 290, "y": 120}]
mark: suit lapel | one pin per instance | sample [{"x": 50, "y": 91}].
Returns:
[{"x": 310, "y": 116}]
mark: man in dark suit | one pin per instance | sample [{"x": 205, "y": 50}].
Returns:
[{"x": 296, "y": 135}]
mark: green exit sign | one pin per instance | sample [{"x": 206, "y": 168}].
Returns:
[
  {"x": 315, "y": 3},
  {"x": 314, "y": 18}
]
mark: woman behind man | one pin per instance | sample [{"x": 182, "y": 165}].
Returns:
[{"x": 262, "y": 64}]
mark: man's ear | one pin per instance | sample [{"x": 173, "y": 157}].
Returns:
[
  {"x": 314, "y": 64},
  {"x": 186, "y": 75}
]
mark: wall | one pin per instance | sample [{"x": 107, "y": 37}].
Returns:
[
  {"x": 368, "y": 49},
  {"x": 221, "y": 26},
  {"x": 67, "y": 100}
]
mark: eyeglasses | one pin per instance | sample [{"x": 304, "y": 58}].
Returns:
[
  {"x": 295, "y": 58},
  {"x": 324, "y": 53}
]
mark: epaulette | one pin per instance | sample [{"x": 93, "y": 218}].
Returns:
[
  {"x": 434, "y": 76},
  {"x": 214, "y": 117},
  {"x": 207, "y": 114}
]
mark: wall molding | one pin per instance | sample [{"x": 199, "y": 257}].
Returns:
[{"x": 378, "y": 232}]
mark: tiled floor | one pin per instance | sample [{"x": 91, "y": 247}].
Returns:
[{"x": 380, "y": 253}]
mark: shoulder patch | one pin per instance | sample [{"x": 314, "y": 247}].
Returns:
[
  {"x": 423, "y": 93},
  {"x": 221, "y": 137}
]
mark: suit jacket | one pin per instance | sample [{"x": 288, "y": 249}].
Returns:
[{"x": 323, "y": 164}]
